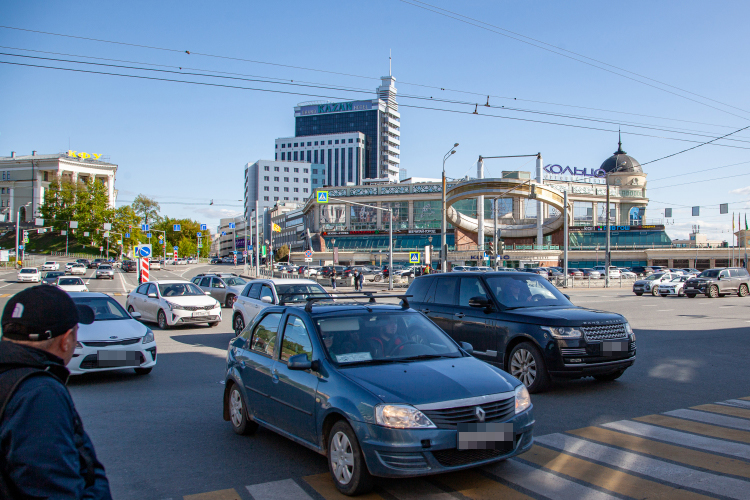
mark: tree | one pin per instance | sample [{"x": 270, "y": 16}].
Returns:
[
  {"x": 186, "y": 247},
  {"x": 126, "y": 221},
  {"x": 147, "y": 209},
  {"x": 282, "y": 254},
  {"x": 60, "y": 200}
]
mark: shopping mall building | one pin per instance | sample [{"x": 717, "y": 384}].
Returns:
[{"x": 354, "y": 223}]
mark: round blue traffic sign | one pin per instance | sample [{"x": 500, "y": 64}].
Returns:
[{"x": 145, "y": 251}]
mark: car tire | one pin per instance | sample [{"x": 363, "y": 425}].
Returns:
[
  {"x": 228, "y": 302},
  {"x": 654, "y": 291},
  {"x": 238, "y": 324},
  {"x": 143, "y": 371},
  {"x": 609, "y": 377},
  {"x": 638, "y": 293},
  {"x": 241, "y": 424},
  {"x": 346, "y": 462},
  {"x": 742, "y": 292},
  {"x": 690, "y": 295},
  {"x": 161, "y": 319},
  {"x": 713, "y": 292},
  {"x": 680, "y": 293},
  {"x": 529, "y": 367}
]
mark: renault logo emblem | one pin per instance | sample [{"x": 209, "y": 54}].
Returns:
[
  {"x": 113, "y": 337},
  {"x": 480, "y": 413}
]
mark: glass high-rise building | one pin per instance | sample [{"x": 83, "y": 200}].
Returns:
[{"x": 378, "y": 119}]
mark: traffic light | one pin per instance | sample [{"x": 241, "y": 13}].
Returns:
[
  {"x": 490, "y": 248},
  {"x": 532, "y": 195},
  {"x": 501, "y": 247}
]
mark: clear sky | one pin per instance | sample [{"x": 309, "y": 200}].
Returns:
[{"x": 187, "y": 144}]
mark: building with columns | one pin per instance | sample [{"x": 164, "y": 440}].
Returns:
[{"x": 24, "y": 179}]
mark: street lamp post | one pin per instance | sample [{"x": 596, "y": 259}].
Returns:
[
  {"x": 18, "y": 227},
  {"x": 444, "y": 221}
]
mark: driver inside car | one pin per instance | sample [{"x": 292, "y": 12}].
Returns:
[
  {"x": 516, "y": 291},
  {"x": 387, "y": 340}
]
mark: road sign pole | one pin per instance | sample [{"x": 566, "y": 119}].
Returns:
[
  {"x": 390, "y": 249},
  {"x": 257, "y": 242}
]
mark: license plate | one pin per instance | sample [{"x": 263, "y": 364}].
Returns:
[
  {"x": 614, "y": 347},
  {"x": 200, "y": 313},
  {"x": 110, "y": 359},
  {"x": 485, "y": 436}
]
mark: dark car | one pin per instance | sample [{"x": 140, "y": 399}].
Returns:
[
  {"x": 523, "y": 324},
  {"x": 94, "y": 264},
  {"x": 215, "y": 260},
  {"x": 327, "y": 271},
  {"x": 719, "y": 282},
  {"x": 85, "y": 262},
  {"x": 50, "y": 278},
  {"x": 378, "y": 389},
  {"x": 129, "y": 266}
]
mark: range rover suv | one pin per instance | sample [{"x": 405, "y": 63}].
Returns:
[
  {"x": 524, "y": 325},
  {"x": 719, "y": 282}
]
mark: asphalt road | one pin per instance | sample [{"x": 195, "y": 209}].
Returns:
[{"x": 162, "y": 435}]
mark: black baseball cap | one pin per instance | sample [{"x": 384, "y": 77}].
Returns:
[{"x": 46, "y": 312}]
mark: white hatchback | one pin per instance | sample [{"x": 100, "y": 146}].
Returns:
[
  {"x": 50, "y": 265},
  {"x": 29, "y": 275},
  {"x": 71, "y": 284},
  {"x": 77, "y": 268},
  {"x": 174, "y": 302},
  {"x": 114, "y": 341}
]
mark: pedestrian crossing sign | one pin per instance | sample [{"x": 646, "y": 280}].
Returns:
[
  {"x": 414, "y": 258},
  {"x": 322, "y": 196}
]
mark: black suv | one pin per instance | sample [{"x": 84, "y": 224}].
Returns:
[
  {"x": 719, "y": 282},
  {"x": 523, "y": 324},
  {"x": 129, "y": 266}
]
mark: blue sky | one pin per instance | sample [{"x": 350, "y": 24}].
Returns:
[{"x": 188, "y": 144}]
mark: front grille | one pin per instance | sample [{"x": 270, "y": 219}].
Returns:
[
  {"x": 572, "y": 351},
  {"x": 198, "y": 308},
  {"x": 449, "y": 418},
  {"x": 111, "y": 343},
  {"x": 404, "y": 461},
  {"x": 604, "y": 332},
  {"x": 199, "y": 319},
  {"x": 455, "y": 457}
]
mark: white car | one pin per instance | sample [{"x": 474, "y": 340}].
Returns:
[
  {"x": 651, "y": 284},
  {"x": 29, "y": 275},
  {"x": 77, "y": 268},
  {"x": 191, "y": 260},
  {"x": 628, "y": 275},
  {"x": 673, "y": 287},
  {"x": 71, "y": 284},
  {"x": 114, "y": 341},
  {"x": 614, "y": 272},
  {"x": 50, "y": 265},
  {"x": 105, "y": 271},
  {"x": 69, "y": 266},
  {"x": 259, "y": 294},
  {"x": 173, "y": 302},
  {"x": 154, "y": 264}
]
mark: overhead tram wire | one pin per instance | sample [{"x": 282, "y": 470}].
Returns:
[
  {"x": 350, "y": 89},
  {"x": 555, "y": 50},
  {"x": 700, "y": 181},
  {"x": 218, "y": 85},
  {"x": 483, "y": 94},
  {"x": 696, "y": 172},
  {"x": 695, "y": 147}
]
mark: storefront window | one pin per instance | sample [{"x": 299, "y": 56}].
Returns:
[
  {"x": 364, "y": 218},
  {"x": 400, "y": 214},
  {"x": 583, "y": 213},
  {"x": 332, "y": 217},
  {"x": 428, "y": 214},
  {"x": 601, "y": 217}
]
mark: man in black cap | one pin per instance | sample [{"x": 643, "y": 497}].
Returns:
[{"x": 44, "y": 451}]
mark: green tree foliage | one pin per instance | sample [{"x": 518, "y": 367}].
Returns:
[
  {"x": 282, "y": 254},
  {"x": 147, "y": 209},
  {"x": 188, "y": 232}
]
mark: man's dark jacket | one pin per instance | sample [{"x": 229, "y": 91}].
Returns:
[{"x": 44, "y": 451}]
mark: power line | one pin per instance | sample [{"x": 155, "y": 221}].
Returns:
[
  {"x": 518, "y": 37},
  {"x": 694, "y": 147},
  {"x": 697, "y": 171},
  {"x": 704, "y": 180}
]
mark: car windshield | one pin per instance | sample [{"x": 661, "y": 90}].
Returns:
[
  {"x": 105, "y": 268},
  {"x": 54, "y": 274},
  {"x": 234, "y": 281},
  {"x": 69, "y": 281},
  {"x": 105, "y": 309},
  {"x": 711, "y": 273},
  {"x": 299, "y": 293},
  {"x": 179, "y": 290},
  {"x": 28, "y": 271},
  {"x": 654, "y": 277},
  {"x": 378, "y": 338},
  {"x": 49, "y": 263},
  {"x": 525, "y": 290}
]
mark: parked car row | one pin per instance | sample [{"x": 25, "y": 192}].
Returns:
[{"x": 712, "y": 283}]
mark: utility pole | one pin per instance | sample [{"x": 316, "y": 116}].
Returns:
[
  {"x": 444, "y": 221},
  {"x": 257, "y": 242}
]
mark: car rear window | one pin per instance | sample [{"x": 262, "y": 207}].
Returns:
[{"x": 69, "y": 281}]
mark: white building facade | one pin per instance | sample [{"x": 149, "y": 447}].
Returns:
[{"x": 337, "y": 159}]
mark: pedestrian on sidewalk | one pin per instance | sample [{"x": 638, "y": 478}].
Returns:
[
  {"x": 44, "y": 451},
  {"x": 333, "y": 279},
  {"x": 361, "y": 279},
  {"x": 356, "y": 281}
]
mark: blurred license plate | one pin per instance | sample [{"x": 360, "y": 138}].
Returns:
[
  {"x": 614, "y": 347},
  {"x": 109, "y": 359},
  {"x": 485, "y": 436},
  {"x": 200, "y": 313}
]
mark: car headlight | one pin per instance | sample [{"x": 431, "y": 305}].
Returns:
[
  {"x": 401, "y": 417},
  {"x": 172, "y": 305},
  {"x": 565, "y": 332},
  {"x": 523, "y": 400},
  {"x": 149, "y": 337},
  {"x": 629, "y": 330}
]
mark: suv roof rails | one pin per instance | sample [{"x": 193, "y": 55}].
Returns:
[{"x": 365, "y": 295}]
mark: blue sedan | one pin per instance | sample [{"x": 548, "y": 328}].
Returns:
[{"x": 379, "y": 390}]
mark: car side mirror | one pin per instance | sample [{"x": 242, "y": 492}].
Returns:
[
  {"x": 207, "y": 293},
  {"x": 135, "y": 315},
  {"x": 266, "y": 299},
  {"x": 299, "y": 362},
  {"x": 152, "y": 295},
  {"x": 479, "y": 302},
  {"x": 467, "y": 347}
]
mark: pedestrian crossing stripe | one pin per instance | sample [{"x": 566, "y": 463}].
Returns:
[{"x": 688, "y": 454}]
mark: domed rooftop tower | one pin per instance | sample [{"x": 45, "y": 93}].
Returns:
[{"x": 621, "y": 162}]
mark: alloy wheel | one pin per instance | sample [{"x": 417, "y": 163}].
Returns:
[
  {"x": 235, "y": 407},
  {"x": 239, "y": 324},
  {"x": 162, "y": 320},
  {"x": 342, "y": 458},
  {"x": 523, "y": 366}
]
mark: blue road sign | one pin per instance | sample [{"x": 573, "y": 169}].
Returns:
[
  {"x": 20, "y": 247},
  {"x": 145, "y": 251},
  {"x": 322, "y": 197},
  {"x": 250, "y": 247},
  {"x": 127, "y": 235},
  {"x": 223, "y": 233},
  {"x": 204, "y": 227},
  {"x": 176, "y": 227},
  {"x": 199, "y": 235},
  {"x": 231, "y": 225},
  {"x": 148, "y": 235},
  {"x": 414, "y": 258},
  {"x": 144, "y": 227}
]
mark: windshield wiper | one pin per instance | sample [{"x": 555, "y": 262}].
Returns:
[
  {"x": 381, "y": 361},
  {"x": 426, "y": 356}
]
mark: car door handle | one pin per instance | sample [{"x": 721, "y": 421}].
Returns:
[{"x": 459, "y": 315}]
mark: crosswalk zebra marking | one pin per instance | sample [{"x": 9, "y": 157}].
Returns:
[
  {"x": 697, "y": 427},
  {"x": 712, "y": 418},
  {"x": 286, "y": 489}
]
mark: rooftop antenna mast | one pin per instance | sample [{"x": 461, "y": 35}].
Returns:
[{"x": 390, "y": 72}]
